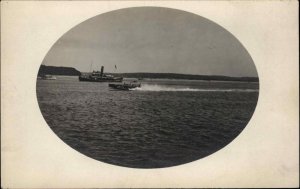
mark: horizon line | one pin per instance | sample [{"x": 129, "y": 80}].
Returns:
[{"x": 153, "y": 73}]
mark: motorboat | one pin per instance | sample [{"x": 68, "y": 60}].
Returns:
[
  {"x": 126, "y": 86},
  {"x": 48, "y": 77}
]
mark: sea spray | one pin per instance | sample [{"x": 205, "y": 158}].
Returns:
[{"x": 149, "y": 87}]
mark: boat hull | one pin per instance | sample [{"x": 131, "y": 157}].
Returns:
[
  {"x": 47, "y": 77},
  {"x": 123, "y": 87},
  {"x": 100, "y": 79}
]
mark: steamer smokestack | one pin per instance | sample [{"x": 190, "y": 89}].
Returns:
[{"x": 102, "y": 69}]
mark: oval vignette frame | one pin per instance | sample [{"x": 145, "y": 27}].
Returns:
[{"x": 49, "y": 107}]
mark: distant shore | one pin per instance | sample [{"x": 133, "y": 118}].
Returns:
[
  {"x": 185, "y": 76},
  {"x": 68, "y": 71}
]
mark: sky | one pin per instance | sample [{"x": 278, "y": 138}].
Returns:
[{"x": 151, "y": 39}]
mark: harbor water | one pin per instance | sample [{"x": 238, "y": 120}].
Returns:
[{"x": 164, "y": 123}]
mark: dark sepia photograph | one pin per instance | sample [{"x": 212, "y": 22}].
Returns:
[{"x": 147, "y": 87}]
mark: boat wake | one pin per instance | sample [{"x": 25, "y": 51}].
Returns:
[{"x": 147, "y": 87}]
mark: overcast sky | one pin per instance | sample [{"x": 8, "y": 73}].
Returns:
[{"x": 151, "y": 39}]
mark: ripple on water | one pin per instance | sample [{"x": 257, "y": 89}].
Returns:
[{"x": 144, "y": 129}]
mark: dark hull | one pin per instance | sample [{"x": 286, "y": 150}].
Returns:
[
  {"x": 100, "y": 79},
  {"x": 124, "y": 87}
]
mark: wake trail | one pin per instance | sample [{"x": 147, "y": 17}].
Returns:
[{"x": 147, "y": 87}]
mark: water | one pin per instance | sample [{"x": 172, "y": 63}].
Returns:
[{"x": 163, "y": 123}]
